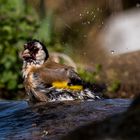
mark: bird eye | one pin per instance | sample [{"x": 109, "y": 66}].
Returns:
[{"x": 35, "y": 49}]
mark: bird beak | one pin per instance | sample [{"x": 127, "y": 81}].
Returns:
[{"x": 25, "y": 54}]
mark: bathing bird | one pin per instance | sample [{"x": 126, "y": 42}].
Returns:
[{"x": 46, "y": 80}]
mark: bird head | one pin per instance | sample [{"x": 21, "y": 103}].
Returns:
[{"x": 34, "y": 52}]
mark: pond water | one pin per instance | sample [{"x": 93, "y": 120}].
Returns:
[{"x": 20, "y": 120}]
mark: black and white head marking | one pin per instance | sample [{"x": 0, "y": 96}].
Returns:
[{"x": 35, "y": 52}]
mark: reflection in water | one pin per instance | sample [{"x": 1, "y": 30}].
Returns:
[{"x": 18, "y": 120}]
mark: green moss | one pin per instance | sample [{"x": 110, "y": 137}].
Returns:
[
  {"x": 114, "y": 86},
  {"x": 90, "y": 76}
]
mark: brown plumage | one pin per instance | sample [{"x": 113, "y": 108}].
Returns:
[
  {"x": 40, "y": 72},
  {"x": 46, "y": 80},
  {"x": 51, "y": 72}
]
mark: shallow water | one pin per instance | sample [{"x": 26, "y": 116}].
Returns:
[{"x": 19, "y": 120}]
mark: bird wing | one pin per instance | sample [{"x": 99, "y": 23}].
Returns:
[{"x": 54, "y": 72}]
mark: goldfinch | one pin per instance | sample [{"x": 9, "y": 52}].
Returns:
[{"x": 46, "y": 80}]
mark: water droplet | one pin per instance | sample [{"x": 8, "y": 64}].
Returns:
[
  {"x": 88, "y": 22},
  {"x": 138, "y": 5},
  {"x": 80, "y": 14},
  {"x": 85, "y": 36},
  {"x": 112, "y": 51},
  {"x": 98, "y": 9},
  {"x": 84, "y": 23},
  {"x": 87, "y": 12}
]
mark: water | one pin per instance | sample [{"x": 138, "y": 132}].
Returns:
[{"x": 20, "y": 120}]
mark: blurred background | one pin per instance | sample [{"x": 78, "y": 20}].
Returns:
[{"x": 99, "y": 37}]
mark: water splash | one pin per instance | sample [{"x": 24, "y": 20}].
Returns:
[
  {"x": 87, "y": 12},
  {"x": 138, "y": 5},
  {"x": 98, "y": 9},
  {"x": 88, "y": 22},
  {"x": 112, "y": 51}
]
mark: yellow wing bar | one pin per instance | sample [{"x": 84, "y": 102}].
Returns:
[{"x": 64, "y": 85}]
